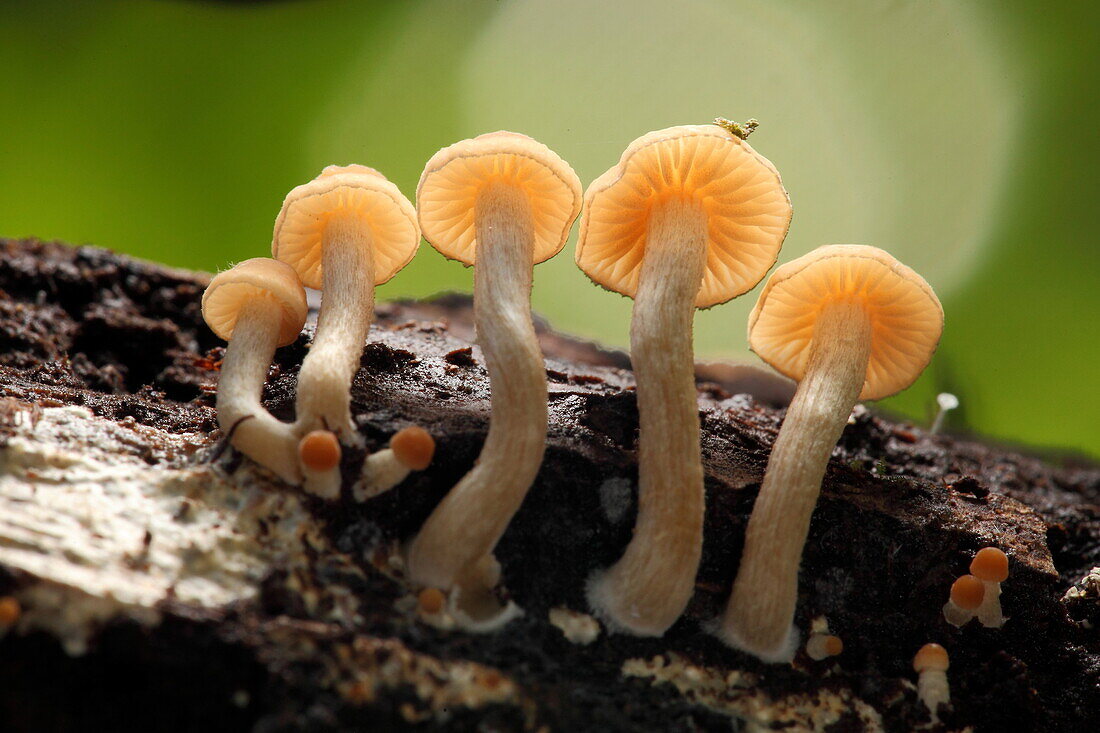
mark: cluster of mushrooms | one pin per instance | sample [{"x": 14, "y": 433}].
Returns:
[{"x": 690, "y": 217}]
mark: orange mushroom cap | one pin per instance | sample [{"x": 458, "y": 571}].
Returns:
[
  {"x": 457, "y": 174},
  {"x": 906, "y": 316},
  {"x": 430, "y": 600},
  {"x": 319, "y": 450},
  {"x": 354, "y": 190},
  {"x": 931, "y": 657},
  {"x": 748, "y": 211},
  {"x": 413, "y": 447},
  {"x": 259, "y": 277},
  {"x": 967, "y": 592},
  {"x": 990, "y": 564}
]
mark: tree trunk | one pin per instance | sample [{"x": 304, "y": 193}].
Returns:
[{"x": 168, "y": 584}]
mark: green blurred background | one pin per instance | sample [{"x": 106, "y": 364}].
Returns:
[{"x": 962, "y": 137}]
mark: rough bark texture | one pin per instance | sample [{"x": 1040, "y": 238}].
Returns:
[{"x": 167, "y": 584}]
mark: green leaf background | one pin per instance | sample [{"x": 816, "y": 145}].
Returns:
[{"x": 962, "y": 137}]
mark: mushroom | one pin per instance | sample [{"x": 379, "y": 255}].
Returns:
[
  {"x": 501, "y": 202},
  {"x": 931, "y": 663},
  {"x": 257, "y": 306},
  {"x": 411, "y": 449},
  {"x": 946, "y": 402},
  {"x": 823, "y": 646},
  {"x": 990, "y": 565},
  {"x": 967, "y": 593},
  {"x": 846, "y": 322},
  {"x": 690, "y": 217},
  {"x": 319, "y": 455},
  {"x": 344, "y": 232}
]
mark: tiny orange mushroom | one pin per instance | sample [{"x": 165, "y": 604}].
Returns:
[
  {"x": 990, "y": 565},
  {"x": 430, "y": 601},
  {"x": 410, "y": 449},
  {"x": 967, "y": 593},
  {"x": 822, "y": 646},
  {"x": 414, "y": 447},
  {"x": 319, "y": 450},
  {"x": 931, "y": 663}
]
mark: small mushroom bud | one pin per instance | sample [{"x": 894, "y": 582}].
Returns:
[
  {"x": 344, "y": 232},
  {"x": 990, "y": 565},
  {"x": 846, "y": 322},
  {"x": 822, "y": 646},
  {"x": 501, "y": 202},
  {"x": 931, "y": 663},
  {"x": 411, "y": 449},
  {"x": 319, "y": 454},
  {"x": 10, "y": 611},
  {"x": 256, "y": 306},
  {"x": 690, "y": 217},
  {"x": 945, "y": 402},
  {"x": 967, "y": 593}
]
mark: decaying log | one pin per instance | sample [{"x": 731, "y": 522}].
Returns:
[{"x": 167, "y": 584}]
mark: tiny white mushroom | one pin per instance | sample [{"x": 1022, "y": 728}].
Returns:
[
  {"x": 946, "y": 402},
  {"x": 257, "y": 306}
]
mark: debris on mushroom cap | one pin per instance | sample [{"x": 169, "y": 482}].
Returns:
[
  {"x": 931, "y": 657},
  {"x": 967, "y": 592},
  {"x": 319, "y": 450},
  {"x": 414, "y": 447},
  {"x": 456, "y": 175},
  {"x": 905, "y": 314},
  {"x": 739, "y": 191},
  {"x": 258, "y": 277},
  {"x": 990, "y": 564},
  {"x": 341, "y": 191}
]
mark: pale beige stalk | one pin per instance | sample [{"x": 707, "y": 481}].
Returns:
[
  {"x": 465, "y": 527},
  {"x": 760, "y": 611},
  {"x": 241, "y": 415},
  {"x": 649, "y": 587},
  {"x": 347, "y": 308}
]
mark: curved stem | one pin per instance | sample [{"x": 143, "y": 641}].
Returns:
[
  {"x": 761, "y": 609},
  {"x": 649, "y": 587},
  {"x": 469, "y": 521},
  {"x": 255, "y": 432},
  {"x": 347, "y": 308},
  {"x": 381, "y": 472}
]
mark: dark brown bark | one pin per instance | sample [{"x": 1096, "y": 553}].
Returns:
[{"x": 330, "y": 642}]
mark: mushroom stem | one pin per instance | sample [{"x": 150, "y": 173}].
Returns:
[
  {"x": 467, "y": 524},
  {"x": 761, "y": 608},
  {"x": 381, "y": 472},
  {"x": 253, "y": 430},
  {"x": 649, "y": 587},
  {"x": 343, "y": 323}
]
